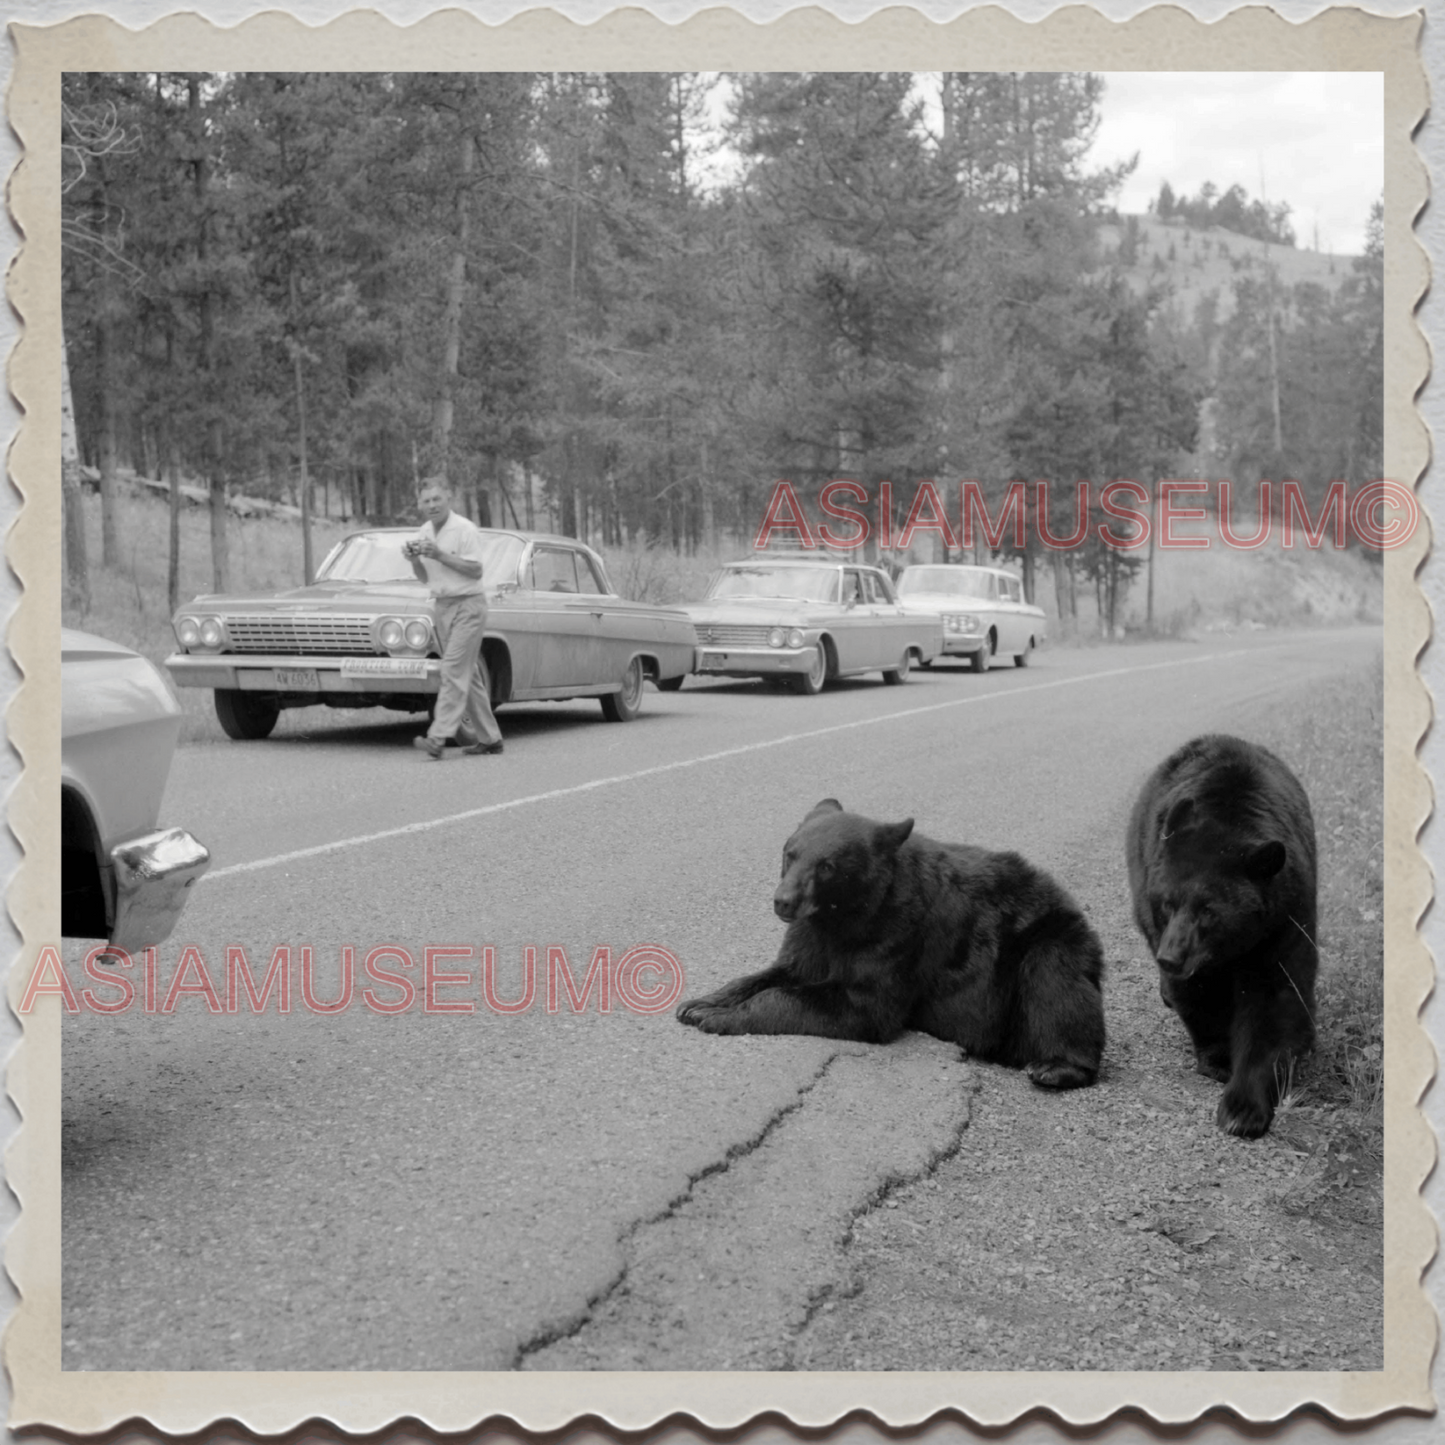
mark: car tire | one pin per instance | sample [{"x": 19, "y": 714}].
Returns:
[
  {"x": 625, "y": 705},
  {"x": 811, "y": 682},
  {"x": 894, "y": 675},
  {"x": 981, "y": 659},
  {"x": 1021, "y": 659},
  {"x": 246, "y": 716},
  {"x": 671, "y": 684}
]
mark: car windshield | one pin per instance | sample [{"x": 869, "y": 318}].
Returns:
[
  {"x": 950, "y": 581},
  {"x": 813, "y": 584},
  {"x": 376, "y": 557}
]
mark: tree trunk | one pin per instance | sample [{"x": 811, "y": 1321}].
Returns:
[
  {"x": 173, "y": 555},
  {"x": 307, "y": 570},
  {"x": 1154, "y": 527},
  {"x": 444, "y": 408},
  {"x": 106, "y": 385},
  {"x": 219, "y": 560},
  {"x": 709, "y": 516},
  {"x": 77, "y": 571}
]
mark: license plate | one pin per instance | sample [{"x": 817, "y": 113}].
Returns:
[
  {"x": 384, "y": 667},
  {"x": 297, "y": 679},
  {"x": 712, "y": 661}
]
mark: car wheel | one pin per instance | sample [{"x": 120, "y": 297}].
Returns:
[
  {"x": 671, "y": 684},
  {"x": 810, "y": 683},
  {"x": 246, "y": 715},
  {"x": 1021, "y": 659},
  {"x": 984, "y": 655},
  {"x": 625, "y": 705},
  {"x": 894, "y": 675}
]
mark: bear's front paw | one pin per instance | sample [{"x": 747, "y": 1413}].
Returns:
[
  {"x": 706, "y": 1014},
  {"x": 1243, "y": 1113},
  {"x": 1056, "y": 1074}
]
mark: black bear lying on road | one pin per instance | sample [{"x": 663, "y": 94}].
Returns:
[
  {"x": 1221, "y": 853},
  {"x": 889, "y": 931}
]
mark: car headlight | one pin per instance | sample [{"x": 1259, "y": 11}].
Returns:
[
  {"x": 795, "y": 637},
  {"x": 391, "y": 633},
  {"x": 962, "y": 622},
  {"x": 188, "y": 631},
  {"x": 212, "y": 633},
  {"x": 418, "y": 635},
  {"x": 775, "y": 637}
]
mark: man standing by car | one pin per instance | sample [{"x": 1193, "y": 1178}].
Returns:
[{"x": 447, "y": 555}]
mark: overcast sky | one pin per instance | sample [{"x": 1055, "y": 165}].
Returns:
[{"x": 1319, "y": 137}]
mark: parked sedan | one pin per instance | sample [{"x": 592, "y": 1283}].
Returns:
[
  {"x": 363, "y": 635},
  {"x": 121, "y": 877},
  {"x": 803, "y": 622},
  {"x": 983, "y": 611}
]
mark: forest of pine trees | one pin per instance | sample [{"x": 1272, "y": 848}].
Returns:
[{"x": 638, "y": 300}]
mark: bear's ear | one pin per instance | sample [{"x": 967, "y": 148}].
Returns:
[
  {"x": 1177, "y": 818},
  {"x": 893, "y": 836},
  {"x": 1265, "y": 861},
  {"x": 828, "y": 805}
]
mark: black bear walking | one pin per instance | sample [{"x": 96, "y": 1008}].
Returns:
[
  {"x": 1221, "y": 853},
  {"x": 889, "y": 931}
]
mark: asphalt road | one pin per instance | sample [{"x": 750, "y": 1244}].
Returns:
[{"x": 462, "y": 1190}]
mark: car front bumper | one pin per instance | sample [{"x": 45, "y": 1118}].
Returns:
[
  {"x": 304, "y": 676},
  {"x": 153, "y": 875},
  {"x": 956, "y": 644},
  {"x": 716, "y": 660}
]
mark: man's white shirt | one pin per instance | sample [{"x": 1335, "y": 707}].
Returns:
[{"x": 462, "y": 539}]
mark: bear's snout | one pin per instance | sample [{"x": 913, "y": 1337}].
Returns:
[
  {"x": 786, "y": 904},
  {"x": 1176, "y": 946}
]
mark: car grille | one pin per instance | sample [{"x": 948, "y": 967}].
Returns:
[
  {"x": 712, "y": 634},
  {"x": 299, "y": 634}
]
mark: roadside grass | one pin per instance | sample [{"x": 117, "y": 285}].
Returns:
[
  {"x": 647, "y": 573},
  {"x": 1337, "y": 749},
  {"x": 1223, "y": 588}
]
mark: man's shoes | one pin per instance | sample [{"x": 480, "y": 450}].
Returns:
[
  {"x": 432, "y": 747},
  {"x": 483, "y": 750}
]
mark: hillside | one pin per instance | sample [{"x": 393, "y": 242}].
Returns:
[{"x": 1196, "y": 264}]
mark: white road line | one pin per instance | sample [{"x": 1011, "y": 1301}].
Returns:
[{"x": 737, "y": 752}]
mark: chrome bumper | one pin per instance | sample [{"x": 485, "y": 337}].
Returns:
[
  {"x": 956, "y": 645},
  {"x": 152, "y": 876},
  {"x": 257, "y": 672},
  {"x": 716, "y": 660}
]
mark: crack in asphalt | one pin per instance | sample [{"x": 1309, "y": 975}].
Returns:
[
  {"x": 566, "y": 1330},
  {"x": 853, "y": 1286}
]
